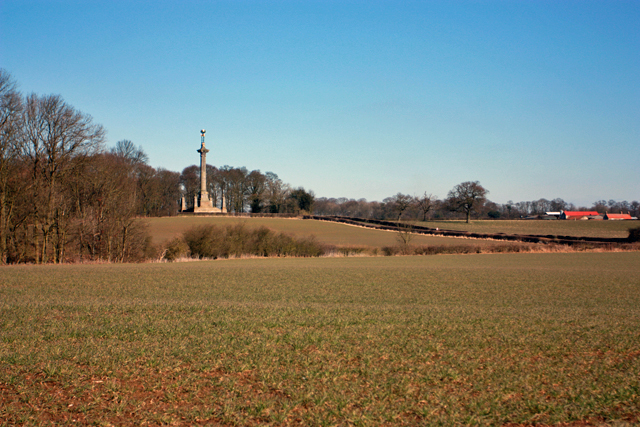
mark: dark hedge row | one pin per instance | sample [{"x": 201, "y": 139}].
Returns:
[
  {"x": 211, "y": 241},
  {"x": 417, "y": 229}
]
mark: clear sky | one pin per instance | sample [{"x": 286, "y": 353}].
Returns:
[{"x": 354, "y": 98}]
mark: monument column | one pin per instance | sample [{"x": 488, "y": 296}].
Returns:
[{"x": 204, "y": 201}]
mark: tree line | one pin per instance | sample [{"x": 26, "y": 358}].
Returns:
[
  {"x": 242, "y": 190},
  {"x": 465, "y": 200}
]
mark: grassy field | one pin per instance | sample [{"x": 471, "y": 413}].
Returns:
[
  {"x": 442, "y": 340},
  {"x": 331, "y": 233},
  {"x": 538, "y": 227}
]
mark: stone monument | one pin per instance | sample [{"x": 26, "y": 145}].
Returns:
[{"x": 201, "y": 202}]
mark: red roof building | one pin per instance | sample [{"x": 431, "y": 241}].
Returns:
[
  {"x": 619, "y": 216},
  {"x": 575, "y": 215}
]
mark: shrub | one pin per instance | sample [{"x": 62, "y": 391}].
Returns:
[
  {"x": 205, "y": 241},
  {"x": 352, "y": 250},
  {"x": 307, "y": 247},
  {"x": 634, "y": 235},
  {"x": 210, "y": 241},
  {"x": 150, "y": 250},
  {"x": 176, "y": 248},
  {"x": 390, "y": 250},
  {"x": 138, "y": 246}
]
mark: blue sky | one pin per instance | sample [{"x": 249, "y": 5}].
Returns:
[{"x": 355, "y": 98}]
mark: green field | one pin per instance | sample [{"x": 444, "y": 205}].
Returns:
[
  {"x": 442, "y": 340},
  {"x": 331, "y": 233},
  {"x": 540, "y": 227}
]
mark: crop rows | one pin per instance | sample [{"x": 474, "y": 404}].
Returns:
[{"x": 442, "y": 340}]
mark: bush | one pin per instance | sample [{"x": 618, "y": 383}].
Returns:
[
  {"x": 210, "y": 241},
  {"x": 175, "y": 249},
  {"x": 634, "y": 235},
  {"x": 390, "y": 250},
  {"x": 138, "y": 246},
  {"x": 204, "y": 241},
  {"x": 351, "y": 250}
]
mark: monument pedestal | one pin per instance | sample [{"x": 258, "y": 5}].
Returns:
[{"x": 205, "y": 205}]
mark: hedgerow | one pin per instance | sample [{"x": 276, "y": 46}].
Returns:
[{"x": 211, "y": 241}]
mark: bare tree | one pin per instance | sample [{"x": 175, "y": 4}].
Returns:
[
  {"x": 190, "y": 183},
  {"x": 509, "y": 207},
  {"x": 467, "y": 197},
  {"x": 256, "y": 186},
  {"x": 425, "y": 204},
  {"x": 399, "y": 203},
  {"x": 543, "y": 206},
  {"x": 213, "y": 185},
  {"x": 404, "y": 237},
  {"x": 108, "y": 198},
  {"x": 275, "y": 193},
  {"x": 600, "y": 206},
  {"x": 10, "y": 127},
  {"x": 169, "y": 194},
  {"x": 558, "y": 205},
  {"x": 235, "y": 180},
  {"x": 147, "y": 192},
  {"x": 54, "y": 133},
  {"x": 127, "y": 150}
]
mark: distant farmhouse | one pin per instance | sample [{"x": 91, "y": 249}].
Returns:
[
  {"x": 582, "y": 215},
  {"x": 552, "y": 215},
  {"x": 618, "y": 217}
]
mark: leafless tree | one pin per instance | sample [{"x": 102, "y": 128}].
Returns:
[
  {"x": 54, "y": 133},
  {"x": 108, "y": 199},
  {"x": 169, "y": 194},
  {"x": 235, "y": 181},
  {"x": 10, "y": 126},
  {"x": 213, "y": 185},
  {"x": 190, "y": 183},
  {"x": 127, "y": 150},
  {"x": 600, "y": 206},
  {"x": 275, "y": 193},
  {"x": 467, "y": 197},
  {"x": 425, "y": 204},
  {"x": 399, "y": 203},
  {"x": 404, "y": 237},
  {"x": 509, "y": 207},
  {"x": 558, "y": 205},
  {"x": 256, "y": 186},
  {"x": 542, "y": 206}
]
